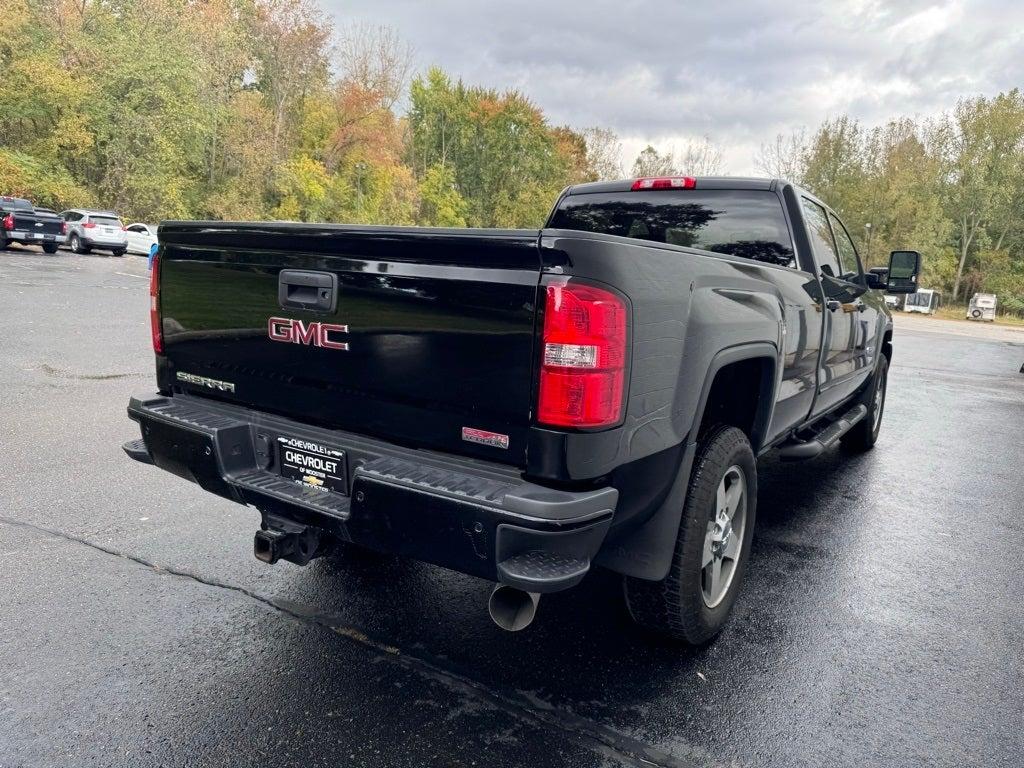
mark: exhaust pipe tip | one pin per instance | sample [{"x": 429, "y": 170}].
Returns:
[{"x": 512, "y": 609}]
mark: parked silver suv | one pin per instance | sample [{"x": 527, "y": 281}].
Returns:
[{"x": 95, "y": 229}]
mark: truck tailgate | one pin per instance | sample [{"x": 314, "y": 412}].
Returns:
[{"x": 425, "y": 337}]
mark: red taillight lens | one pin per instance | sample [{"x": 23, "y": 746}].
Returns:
[
  {"x": 154, "y": 306},
  {"x": 63, "y": 227},
  {"x": 583, "y": 370},
  {"x": 8, "y": 222},
  {"x": 665, "y": 182},
  {"x": 89, "y": 224}
]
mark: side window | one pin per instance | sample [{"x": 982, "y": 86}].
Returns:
[
  {"x": 821, "y": 239},
  {"x": 847, "y": 253}
]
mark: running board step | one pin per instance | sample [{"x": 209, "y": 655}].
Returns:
[{"x": 826, "y": 438}]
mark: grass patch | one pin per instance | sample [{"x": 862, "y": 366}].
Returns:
[{"x": 960, "y": 313}]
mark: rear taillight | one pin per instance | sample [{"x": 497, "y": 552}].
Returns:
[
  {"x": 89, "y": 224},
  {"x": 63, "y": 227},
  {"x": 583, "y": 369},
  {"x": 154, "y": 306},
  {"x": 665, "y": 182},
  {"x": 8, "y": 222}
]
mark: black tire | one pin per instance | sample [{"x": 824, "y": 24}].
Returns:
[
  {"x": 75, "y": 242},
  {"x": 864, "y": 434},
  {"x": 3, "y": 243},
  {"x": 50, "y": 248},
  {"x": 676, "y": 606},
  {"x": 120, "y": 252}
]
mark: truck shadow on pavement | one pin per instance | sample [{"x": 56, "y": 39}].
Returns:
[{"x": 584, "y": 636}]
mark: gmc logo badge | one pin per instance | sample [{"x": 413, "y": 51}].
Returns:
[{"x": 315, "y": 334}]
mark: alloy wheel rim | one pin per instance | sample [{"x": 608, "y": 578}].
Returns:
[
  {"x": 723, "y": 541},
  {"x": 879, "y": 403}
]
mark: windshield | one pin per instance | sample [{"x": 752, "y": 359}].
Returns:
[
  {"x": 918, "y": 299},
  {"x": 747, "y": 223}
]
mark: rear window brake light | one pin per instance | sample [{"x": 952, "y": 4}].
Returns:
[{"x": 664, "y": 182}]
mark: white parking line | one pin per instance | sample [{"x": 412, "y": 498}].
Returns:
[{"x": 129, "y": 274}]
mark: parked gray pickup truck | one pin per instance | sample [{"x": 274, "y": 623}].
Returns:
[{"x": 524, "y": 405}]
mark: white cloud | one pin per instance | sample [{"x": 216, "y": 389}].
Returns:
[{"x": 666, "y": 73}]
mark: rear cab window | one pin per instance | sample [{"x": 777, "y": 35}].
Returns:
[
  {"x": 15, "y": 204},
  {"x": 742, "y": 222}
]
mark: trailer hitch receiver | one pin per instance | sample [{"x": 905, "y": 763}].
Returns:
[{"x": 283, "y": 540}]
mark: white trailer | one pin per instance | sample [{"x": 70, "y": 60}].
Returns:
[
  {"x": 982, "y": 307},
  {"x": 926, "y": 300}
]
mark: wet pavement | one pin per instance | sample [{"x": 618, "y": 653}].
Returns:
[{"x": 881, "y": 622}]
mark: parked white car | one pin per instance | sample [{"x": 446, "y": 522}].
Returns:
[
  {"x": 983, "y": 307},
  {"x": 141, "y": 237}
]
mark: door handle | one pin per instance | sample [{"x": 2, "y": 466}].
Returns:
[
  {"x": 832, "y": 305},
  {"x": 313, "y": 291}
]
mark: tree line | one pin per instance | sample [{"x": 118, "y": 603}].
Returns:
[
  {"x": 255, "y": 109},
  {"x": 950, "y": 186},
  {"x": 261, "y": 109}
]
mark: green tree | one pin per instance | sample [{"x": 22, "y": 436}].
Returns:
[{"x": 442, "y": 205}]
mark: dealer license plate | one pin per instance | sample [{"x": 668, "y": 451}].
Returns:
[{"x": 312, "y": 464}]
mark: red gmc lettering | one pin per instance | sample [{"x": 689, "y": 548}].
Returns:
[{"x": 298, "y": 332}]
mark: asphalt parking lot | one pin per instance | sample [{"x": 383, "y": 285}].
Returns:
[{"x": 882, "y": 621}]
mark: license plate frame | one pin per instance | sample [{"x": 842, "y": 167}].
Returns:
[{"x": 312, "y": 465}]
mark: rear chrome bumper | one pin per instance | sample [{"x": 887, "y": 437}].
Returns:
[
  {"x": 470, "y": 516},
  {"x": 20, "y": 236}
]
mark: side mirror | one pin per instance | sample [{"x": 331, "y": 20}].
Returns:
[
  {"x": 904, "y": 268},
  {"x": 877, "y": 278}
]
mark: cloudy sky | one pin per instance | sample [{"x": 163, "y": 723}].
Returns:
[{"x": 738, "y": 72}]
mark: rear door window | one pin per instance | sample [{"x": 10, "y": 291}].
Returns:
[
  {"x": 824, "y": 245},
  {"x": 848, "y": 260},
  {"x": 746, "y": 223}
]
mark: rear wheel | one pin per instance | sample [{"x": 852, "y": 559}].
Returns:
[
  {"x": 3, "y": 242},
  {"x": 118, "y": 252},
  {"x": 77, "y": 246},
  {"x": 864, "y": 434},
  {"x": 50, "y": 248},
  {"x": 692, "y": 603}
]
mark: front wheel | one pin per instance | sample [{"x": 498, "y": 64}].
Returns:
[
  {"x": 864, "y": 434},
  {"x": 692, "y": 603},
  {"x": 118, "y": 252}
]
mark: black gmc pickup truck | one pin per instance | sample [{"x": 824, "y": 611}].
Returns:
[
  {"x": 21, "y": 222},
  {"x": 523, "y": 405}
]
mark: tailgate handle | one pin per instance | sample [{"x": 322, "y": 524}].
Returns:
[{"x": 315, "y": 291}]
